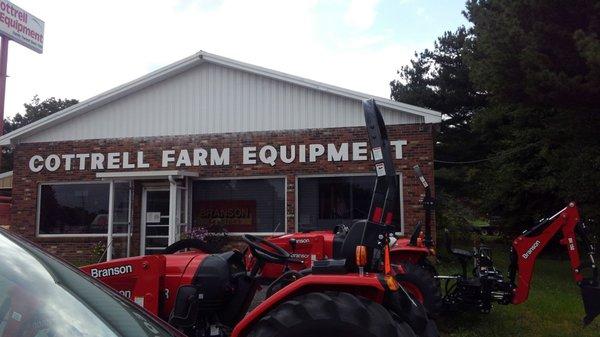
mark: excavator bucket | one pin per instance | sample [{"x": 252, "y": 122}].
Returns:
[{"x": 591, "y": 301}]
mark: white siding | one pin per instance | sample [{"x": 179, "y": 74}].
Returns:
[{"x": 212, "y": 98}]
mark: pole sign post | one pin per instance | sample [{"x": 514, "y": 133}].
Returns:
[
  {"x": 21, "y": 27},
  {"x": 25, "y": 29}
]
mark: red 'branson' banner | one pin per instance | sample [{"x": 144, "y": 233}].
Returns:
[{"x": 234, "y": 215}]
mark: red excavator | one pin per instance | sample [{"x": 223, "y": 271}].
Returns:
[{"x": 354, "y": 294}]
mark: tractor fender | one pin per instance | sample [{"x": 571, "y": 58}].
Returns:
[
  {"x": 414, "y": 255},
  {"x": 369, "y": 286},
  {"x": 401, "y": 253}
]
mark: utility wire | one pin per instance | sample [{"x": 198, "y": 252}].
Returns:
[{"x": 499, "y": 155}]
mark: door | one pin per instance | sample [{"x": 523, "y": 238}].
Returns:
[{"x": 155, "y": 220}]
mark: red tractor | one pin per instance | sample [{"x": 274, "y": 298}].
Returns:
[
  {"x": 409, "y": 256},
  {"x": 354, "y": 293}
]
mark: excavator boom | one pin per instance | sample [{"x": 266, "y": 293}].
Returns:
[{"x": 527, "y": 247}]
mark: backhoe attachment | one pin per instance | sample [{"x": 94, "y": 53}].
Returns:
[
  {"x": 488, "y": 284},
  {"x": 527, "y": 246}
]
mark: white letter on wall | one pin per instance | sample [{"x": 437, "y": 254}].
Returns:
[
  {"x": 52, "y": 162},
  {"x": 113, "y": 161},
  {"x": 334, "y": 155},
  {"x": 184, "y": 159},
  {"x": 398, "y": 145},
  {"x": 97, "y": 161},
  {"x": 82, "y": 157},
  {"x": 126, "y": 163},
  {"x": 249, "y": 156},
  {"x": 314, "y": 151},
  {"x": 200, "y": 157},
  {"x": 36, "y": 163},
  {"x": 140, "y": 160},
  {"x": 68, "y": 158},
  {"x": 168, "y": 156},
  {"x": 216, "y": 159},
  {"x": 359, "y": 151}
]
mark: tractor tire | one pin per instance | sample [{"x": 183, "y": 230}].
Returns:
[
  {"x": 420, "y": 282},
  {"x": 330, "y": 314}
]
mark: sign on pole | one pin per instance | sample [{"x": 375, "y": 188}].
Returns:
[{"x": 21, "y": 27}]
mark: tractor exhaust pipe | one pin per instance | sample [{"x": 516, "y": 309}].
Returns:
[{"x": 428, "y": 205}]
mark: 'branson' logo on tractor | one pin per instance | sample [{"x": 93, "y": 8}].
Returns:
[
  {"x": 531, "y": 249},
  {"x": 114, "y": 271}
]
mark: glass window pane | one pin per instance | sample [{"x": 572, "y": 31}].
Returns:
[
  {"x": 74, "y": 209},
  {"x": 158, "y": 201},
  {"x": 324, "y": 202},
  {"x": 121, "y": 208},
  {"x": 243, "y": 205}
]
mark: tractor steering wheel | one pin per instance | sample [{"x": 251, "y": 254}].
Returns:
[{"x": 275, "y": 254}]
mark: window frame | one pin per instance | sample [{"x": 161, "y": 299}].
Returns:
[
  {"x": 346, "y": 175},
  {"x": 79, "y": 182},
  {"x": 285, "y": 200}
]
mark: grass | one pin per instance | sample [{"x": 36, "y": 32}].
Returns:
[{"x": 554, "y": 307}]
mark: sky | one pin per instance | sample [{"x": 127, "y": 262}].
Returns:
[{"x": 91, "y": 46}]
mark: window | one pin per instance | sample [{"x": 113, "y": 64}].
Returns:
[
  {"x": 240, "y": 205},
  {"x": 82, "y": 208},
  {"x": 324, "y": 202}
]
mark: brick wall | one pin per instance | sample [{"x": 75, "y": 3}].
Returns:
[{"x": 419, "y": 150}]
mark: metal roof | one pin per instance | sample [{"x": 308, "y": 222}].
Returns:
[{"x": 429, "y": 116}]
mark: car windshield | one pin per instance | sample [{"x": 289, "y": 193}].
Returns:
[{"x": 43, "y": 296}]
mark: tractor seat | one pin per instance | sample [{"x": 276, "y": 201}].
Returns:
[
  {"x": 461, "y": 253},
  {"x": 330, "y": 266}
]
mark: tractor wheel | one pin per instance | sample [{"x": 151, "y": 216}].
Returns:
[
  {"x": 420, "y": 282},
  {"x": 330, "y": 314}
]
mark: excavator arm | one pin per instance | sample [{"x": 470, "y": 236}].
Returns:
[{"x": 527, "y": 247}]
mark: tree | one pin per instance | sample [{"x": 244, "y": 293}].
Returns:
[
  {"x": 35, "y": 110},
  {"x": 439, "y": 79},
  {"x": 519, "y": 90},
  {"x": 539, "y": 63}
]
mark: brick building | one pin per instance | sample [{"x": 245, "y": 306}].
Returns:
[{"x": 206, "y": 141}]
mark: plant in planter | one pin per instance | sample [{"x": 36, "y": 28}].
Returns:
[
  {"x": 98, "y": 250},
  {"x": 210, "y": 240}
]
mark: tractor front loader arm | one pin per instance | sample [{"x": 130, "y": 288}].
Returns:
[{"x": 526, "y": 248}]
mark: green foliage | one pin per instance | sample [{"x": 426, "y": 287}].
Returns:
[
  {"x": 524, "y": 82},
  {"x": 35, "y": 110},
  {"x": 538, "y": 62},
  {"x": 439, "y": 79},
  {"x": 98, "y": 251},
  {"x": 453, "y": 214}
]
